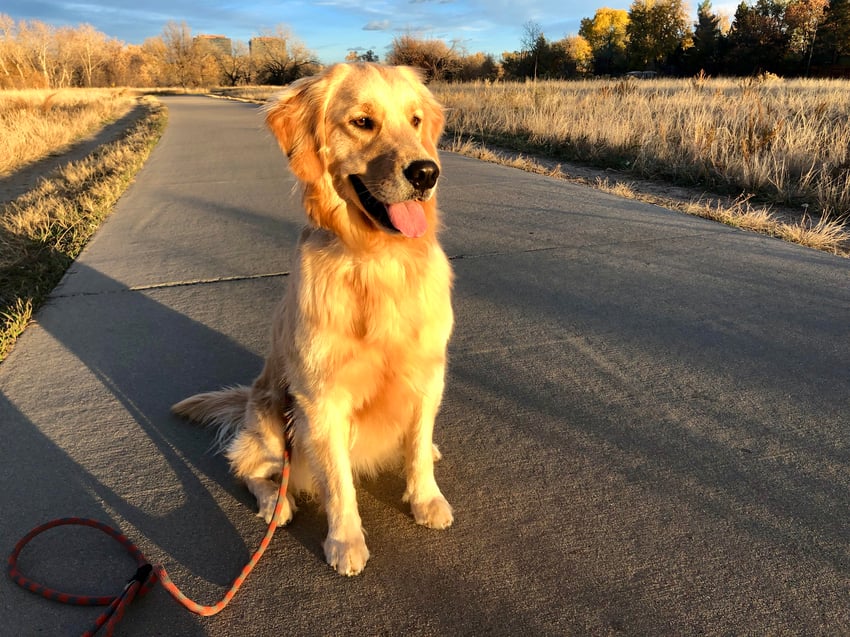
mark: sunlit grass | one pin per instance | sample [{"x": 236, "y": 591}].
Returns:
[
  {"x": 36, "y": 123},
  {"x": 786, "y": 141},
  {"x": 42, "y": 231}
]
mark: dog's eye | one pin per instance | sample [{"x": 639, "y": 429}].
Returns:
[
  {"x": 416, "y": 121},
  {"x": 365, "y": 123}
]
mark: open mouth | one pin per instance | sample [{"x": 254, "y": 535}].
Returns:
[{"x": 406, "y": 217}]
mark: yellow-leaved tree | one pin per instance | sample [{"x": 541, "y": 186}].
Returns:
[{"x": 606, "y": 33}]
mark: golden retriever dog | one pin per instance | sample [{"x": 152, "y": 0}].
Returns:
[{"x": 356, "y": 368}]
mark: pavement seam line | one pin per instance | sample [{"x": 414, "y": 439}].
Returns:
[
  {"x": 271, "y": 275},
  {"x": 176, "y": 284}
]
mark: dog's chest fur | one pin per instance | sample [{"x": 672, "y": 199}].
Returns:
[{"x": 368, "y": 325}]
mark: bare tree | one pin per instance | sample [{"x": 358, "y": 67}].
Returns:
[
  {"x": 90, "y": 48},
  {"x": 36, "y": 39},
  {"x": 36, "y": 55},
  {"x": 116, "y": 68},
  {"x": 235, "y": 65},
  {"x": 154, "y": 49},
  {"x": 61, "y": 58},
  {"x": 180, "y": 54},
  {"x": 134, "y": 67},
  {"x": 532, "y": 38},
  {"x": 280, "y": 58},
  {"x": 438, "y": 59},
  {"x": 13, "y": 64}
]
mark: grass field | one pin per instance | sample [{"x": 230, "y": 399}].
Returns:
[
  {"x": 42, "y": 231},
  {"x": 784, "y": 141},
  {"x": 37, "y": 123}
]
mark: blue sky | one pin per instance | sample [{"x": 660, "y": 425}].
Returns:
[{"x": 329, "y": 27}]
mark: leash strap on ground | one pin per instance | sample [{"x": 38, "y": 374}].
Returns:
[{"x": 146, "y": 574}]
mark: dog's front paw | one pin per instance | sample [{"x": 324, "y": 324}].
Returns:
[
  {"x": 435, "y": 513},
  {"x": 347, "y": 557}
]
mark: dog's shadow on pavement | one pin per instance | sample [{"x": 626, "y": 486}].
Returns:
[
  {"x": 49, "y": 484},
  {"x": 147, "y": 349}
]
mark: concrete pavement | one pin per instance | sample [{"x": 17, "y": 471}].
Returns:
[{"x": 645, "y": 428}]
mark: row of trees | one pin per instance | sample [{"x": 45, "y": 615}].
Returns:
[
  {"x": 34, "y": 54},
  {"x": 787, "y": 37}
]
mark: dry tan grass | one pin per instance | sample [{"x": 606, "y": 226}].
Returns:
[
  {"x": 42, "y": 231},
  {"x": 829, "y": 235},
  {"x": 825, "y": 234},
  {"x": 619, "y": 188},
  {"x": 788, "y": 141},
  {"x": 37, "y": 123},
  {"x": 740, "y": 213},
  {"x": 12, "y": 324}
]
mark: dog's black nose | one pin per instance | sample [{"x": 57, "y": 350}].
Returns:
[{"x": 422, "y": 174}]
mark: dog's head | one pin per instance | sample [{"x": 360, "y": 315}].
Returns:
[{"x": 362, "y": 138}]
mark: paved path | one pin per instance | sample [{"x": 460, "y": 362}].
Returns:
[{"x": 646, "y": 428}]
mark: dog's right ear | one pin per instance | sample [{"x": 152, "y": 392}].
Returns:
[{"x": 294, "y": 120}]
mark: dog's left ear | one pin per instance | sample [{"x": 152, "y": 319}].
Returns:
[{"x": 294, "y": 120}]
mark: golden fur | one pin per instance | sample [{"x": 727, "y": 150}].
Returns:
[{"x": 358, "y": 345}]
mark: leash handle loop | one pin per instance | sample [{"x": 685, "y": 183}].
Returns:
[{"x": 146, "y": 574}]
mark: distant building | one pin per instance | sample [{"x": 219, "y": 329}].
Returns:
[
  {"x": 219, "y": 45},
  {"x": 262, "y": 46}
]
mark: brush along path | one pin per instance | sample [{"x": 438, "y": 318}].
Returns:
[
  {"x": 37, "y": 123},
  {"x": 43, "y": 230},
  {"x": 781, "y": 140}
]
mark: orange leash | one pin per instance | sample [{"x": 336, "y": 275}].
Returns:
[{"x": 146, "y": 575}]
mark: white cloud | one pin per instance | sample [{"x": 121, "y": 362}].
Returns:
[{"x": 377, "y": 25}]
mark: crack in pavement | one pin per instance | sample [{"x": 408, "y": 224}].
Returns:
[
  {"x": 269, "y": 275},
  {"x": 174, "y": 284}
]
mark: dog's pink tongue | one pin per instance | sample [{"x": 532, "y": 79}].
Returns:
[{"x": 408, "y": 217}]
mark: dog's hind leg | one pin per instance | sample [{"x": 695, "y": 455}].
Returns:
[{"x": 256, "y": 456}]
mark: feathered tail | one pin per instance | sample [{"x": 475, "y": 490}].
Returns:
[{"x": 224, "y": 410}]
